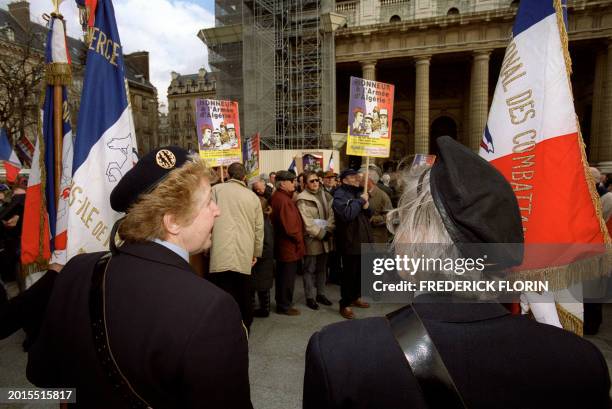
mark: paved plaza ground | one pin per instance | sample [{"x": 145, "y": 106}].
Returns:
[{"x": 277, "y": 347}]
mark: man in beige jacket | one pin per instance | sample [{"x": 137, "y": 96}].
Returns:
[
  {"x": 315, "y": 206},
  {"x": 237, "y": 239}
]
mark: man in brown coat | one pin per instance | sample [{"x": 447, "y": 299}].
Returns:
[{"x": 288, "y": 240}]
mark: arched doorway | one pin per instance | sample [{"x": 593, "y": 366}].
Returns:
[
  {"x": 401, "y": 143},
  {"x": 443, "y": 125}
]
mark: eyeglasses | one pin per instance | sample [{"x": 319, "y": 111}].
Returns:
[{"x": 314, "y": 181}]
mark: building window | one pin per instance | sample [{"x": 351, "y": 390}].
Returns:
[
  {"x": 395, "y": 19},
  {"x": 452, "y": 11}
]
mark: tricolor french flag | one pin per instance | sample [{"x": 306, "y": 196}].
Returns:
[
  {"x": 105, "y": 147},
  {"x": 532, "y": 137},
  {"x": 12, "y": 165},
  {"x": 330, "y": 165},
  {"x": 44, "y": 234}
]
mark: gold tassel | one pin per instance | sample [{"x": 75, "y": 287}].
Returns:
[
  {"x": 569, "y": 321},
  {"x": 561, "y": 277},
  {"x": 58, "y": 74},
  {"x": 40, "y": 263}
]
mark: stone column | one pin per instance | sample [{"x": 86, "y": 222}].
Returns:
[
  {"x": 368, "y": 70},
  {"x": 421, "y": 105},
  {"x": 598, "y": 100},
  {"x": 479, "y": 98},
  {"x": 605, "y": 135}
]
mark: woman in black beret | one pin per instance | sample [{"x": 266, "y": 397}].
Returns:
[
  {"x": 136, "y": 327},
  {"x": 438, "y": 354}
]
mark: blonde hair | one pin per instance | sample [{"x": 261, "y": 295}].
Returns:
[{"x": 178, "y": 194}]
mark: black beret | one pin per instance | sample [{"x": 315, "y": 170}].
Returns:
[
  {"x": 347, "y": 172},
  {"x": 476, "y": 203},
  {"x": 284, "y": 175},
  {"x": 148, "y": 172}
]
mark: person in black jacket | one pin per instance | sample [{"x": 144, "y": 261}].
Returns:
[
  {"x": 141, "y": 329},
  {"x": 352, "y": 217},
  {"x": 489, "y": 358},
  {"x": 27, "y": 310}
]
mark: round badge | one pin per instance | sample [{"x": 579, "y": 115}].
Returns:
[{"x": 165, "y": 159}]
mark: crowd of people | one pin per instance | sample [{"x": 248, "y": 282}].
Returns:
[
  {"x": 310, "y": 225},
  {"x": 137, "y": 327}
]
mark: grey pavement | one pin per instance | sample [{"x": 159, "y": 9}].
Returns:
[{"x": 277, "y": 347}]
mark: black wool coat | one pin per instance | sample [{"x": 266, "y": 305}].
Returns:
[
  {"x": 496, "y": 360},
  {"x": 178, "y": 339}
]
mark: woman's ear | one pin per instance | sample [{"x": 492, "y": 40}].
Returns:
[{"x": 171, "y": 225}]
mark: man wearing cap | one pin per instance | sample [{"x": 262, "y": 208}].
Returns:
[
  {"x": 288, "y": 241},
  {"x": 237, "y": 239},
  {"x": 231, "y": 131},
  {"x": 137, "y": 327},
  {"x": 434, "y": 354},
  {"x": 329, "y": 181},
  {"x": 352, "y": 216},
  {"x": 384, "y": 122}
]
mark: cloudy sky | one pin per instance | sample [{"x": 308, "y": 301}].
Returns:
[{"x": 165, "y": 28}]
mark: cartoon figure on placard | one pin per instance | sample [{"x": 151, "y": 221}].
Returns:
[
  {"x": 375, "y": 119},
  {"x": 216, "y": 139},
  {"x": 206, "y": 140},
  {"x": 384, "y": 123},
  {"x": 232, "y": 138},
  {"x": 357, "y": 126},
  {"x": 367, "y": 124},
  {"x": 224, "y": 134}
]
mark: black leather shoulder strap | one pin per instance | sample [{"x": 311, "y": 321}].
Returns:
[
  {"x": 99, "y": 331},
  {"x": 435, "y": 381}
]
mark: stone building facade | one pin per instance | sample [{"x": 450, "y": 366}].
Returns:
[
  {"x": 143, "y": 98},
  {"x": 16, "y": 26},
  {"x": 444, "y": 58},
  {"x": 182, "y": 94}
]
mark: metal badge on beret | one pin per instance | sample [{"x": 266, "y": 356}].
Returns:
[{"x": 165, "y": 159}]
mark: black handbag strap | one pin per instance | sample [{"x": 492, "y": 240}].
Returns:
[
  {"x": 435, "y": 382},
  {"x": 97, "y": 315}
]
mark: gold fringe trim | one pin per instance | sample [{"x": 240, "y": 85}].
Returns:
[
  {"x": 58, "y": 73},
  {"x": 585, "y": 164},
  {"x": 562, "y": 277},
  {"x": 569, "y": 321},
  {"x": 41, "y": 263}
]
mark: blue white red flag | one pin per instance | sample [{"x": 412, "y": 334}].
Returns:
[
  {"x": 532, "y": 137},
  {"x": 44, "y": 233},
  {"x": 330, "y": 165},
  {"x": 293, "y": 167},
  {"x": 105, "y": 147},
  {"x": 12, "y": 165},
  {"x": 532, "y": 133}
]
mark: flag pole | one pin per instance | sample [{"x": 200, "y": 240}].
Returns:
[
  {"x": 367, "y": 175},
  {"x": 59, "y": 75},
  {"x": 57, "y": 137}
]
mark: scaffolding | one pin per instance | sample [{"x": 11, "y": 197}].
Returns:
[
  {"x": 269, "y": 55},
  {"x": 225, "y": 51},
  {"x": 283, "y": 72}
]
